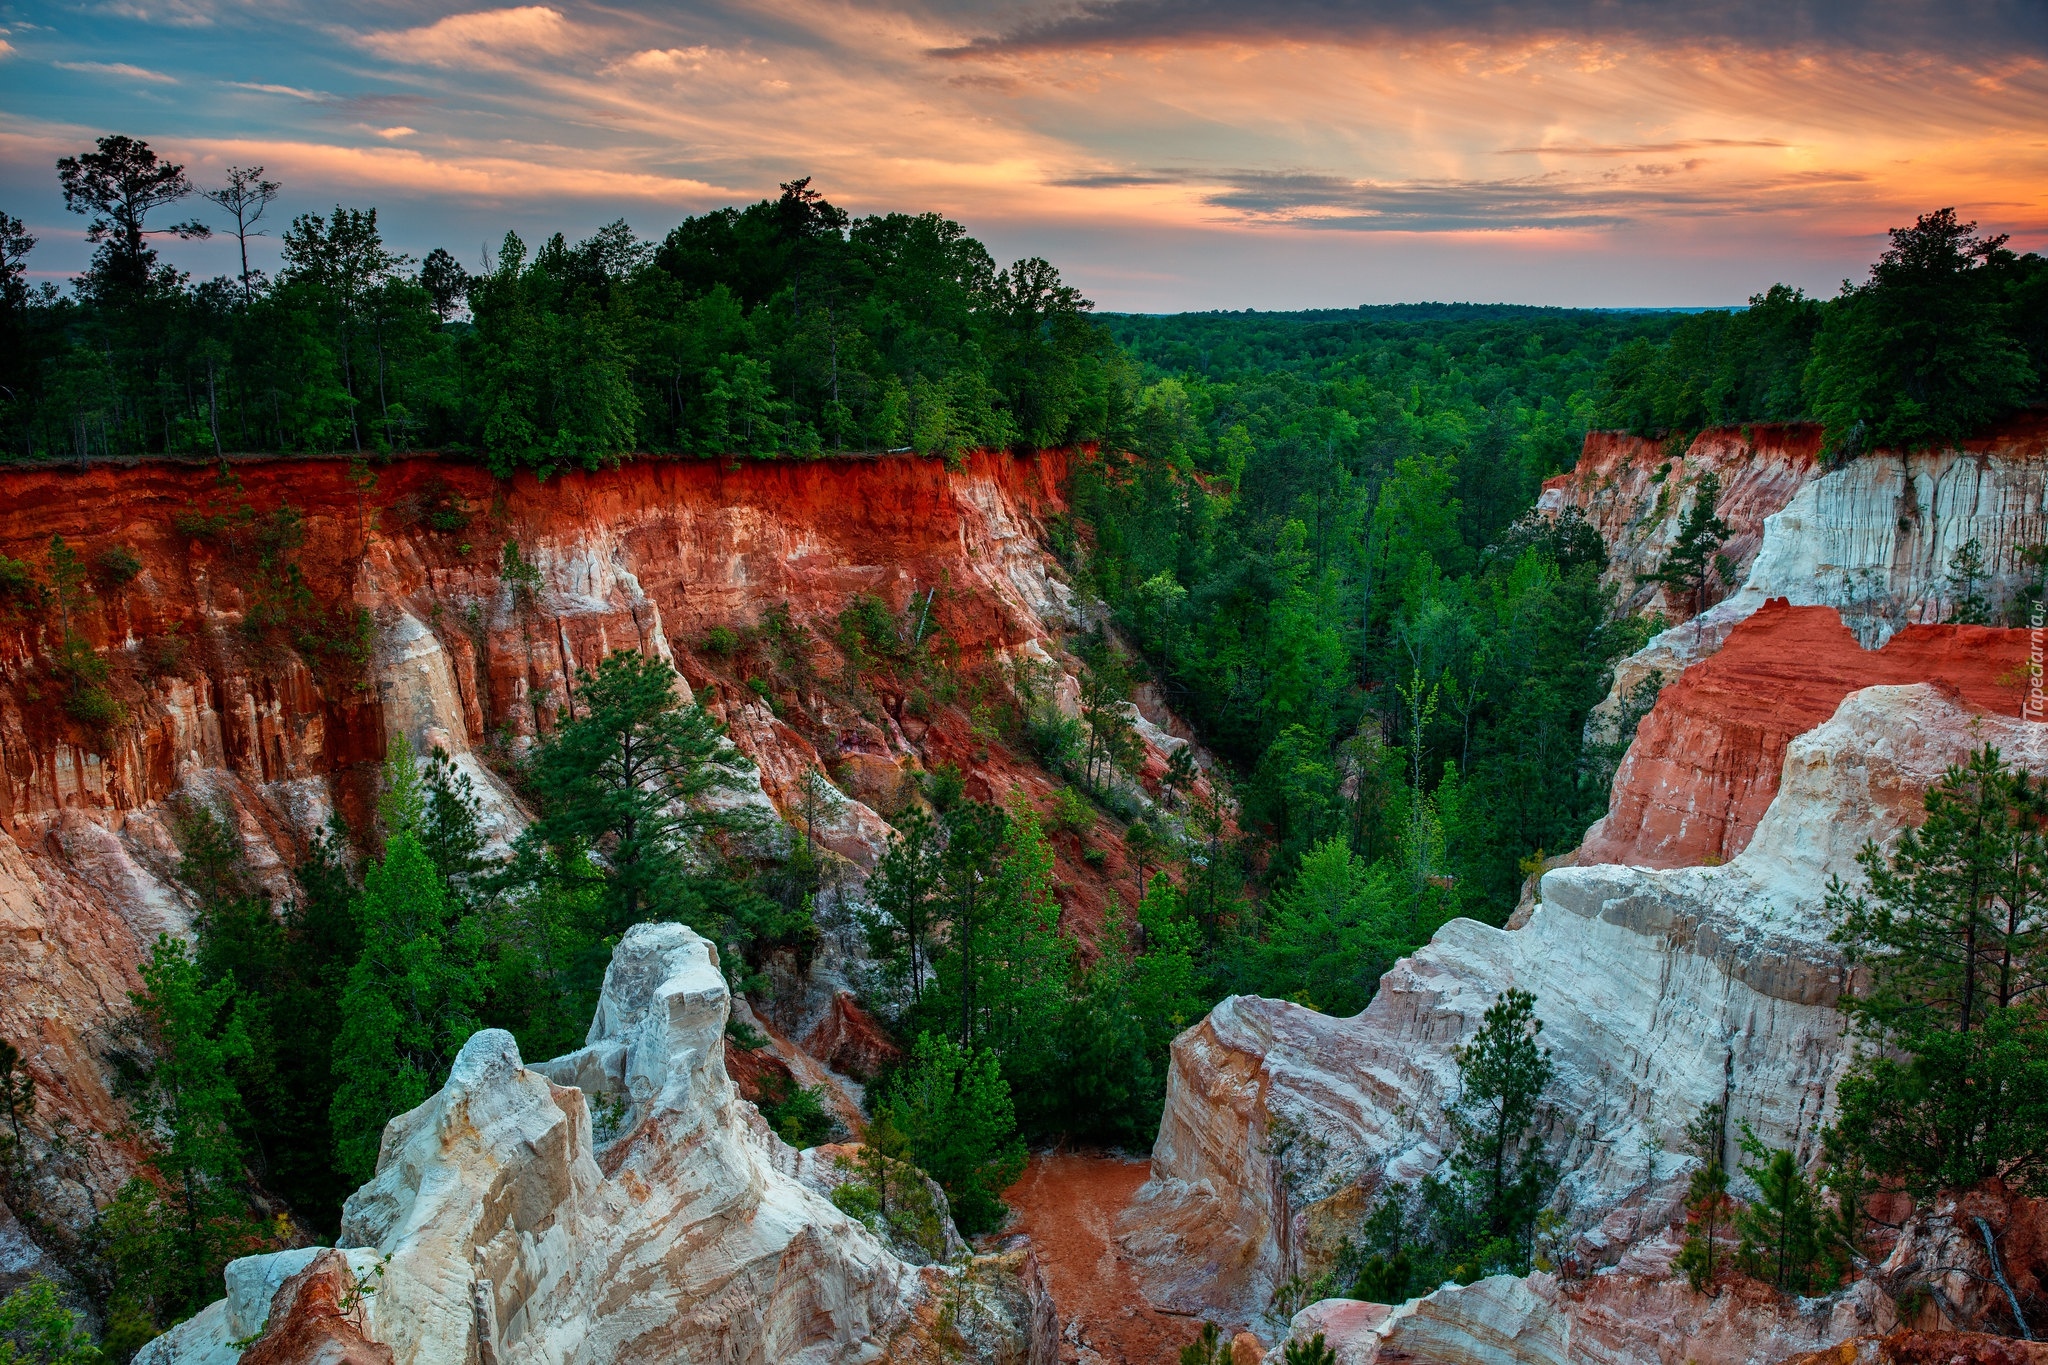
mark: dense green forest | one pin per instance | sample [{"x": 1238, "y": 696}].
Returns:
[
  {"x": 1313, "y": 533},
  {"x": 781, "y": 327},
  {"x": 1949, "y": 333}
]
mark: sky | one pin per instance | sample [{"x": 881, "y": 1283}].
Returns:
[{"x": 1165, "y": 154}]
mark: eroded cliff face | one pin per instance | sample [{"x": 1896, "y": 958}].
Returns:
[
  {"x": 1873, "y": 538},
  {"x": 265, "y": 658},
  {"x": 1659, "y": 991},
  {"x": 501, "y": 1226},
  {"x": 1705, "y": 763}
]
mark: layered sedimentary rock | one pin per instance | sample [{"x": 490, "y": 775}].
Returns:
[
  {"x": 483, "y": 597},
  {"x": 1659, "y": 991},
  {"x": 1635, "y": 491},
  {"x": 501, "y": 1227},
  {"x": 1705, "y": 762},
  {"x": 1875, "y": 538}
]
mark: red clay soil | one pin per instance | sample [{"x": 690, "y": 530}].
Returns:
[
  {"x": 1067, "y": 1204},
  {"x": 1707, "y": 760}
]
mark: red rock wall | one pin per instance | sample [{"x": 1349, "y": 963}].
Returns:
[
  {"x": 648, "y": 556},
  {"x": 1635, "y": 493},
  {"x": 1707, "y": 759}
]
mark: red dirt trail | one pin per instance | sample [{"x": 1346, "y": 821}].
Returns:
[{"x": 1067, "y": 1204}]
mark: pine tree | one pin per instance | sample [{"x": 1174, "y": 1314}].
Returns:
[
  {"x": 1954, "y": 933},
  {"x": 1691, "y": 564},
  {"x": 1783, "y": 1228},
  {"x": 626, "y": 777},
  {"x": 1707, "y": 1205},
  {"x": 1500, "y": 1177},
  {"x": 954, "y": 1107},
  {"x": 163, "y": 1241},
  {"x": 412, "y": 995}
]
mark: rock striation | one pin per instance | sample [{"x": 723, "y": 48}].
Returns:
[
  {"x": 1874, "y": 538},
  {"x": 1659, "y": 990},
  {"x": 483, "y": 598},
  {"x": 501, "y": 1227},
  {"x": 1705, "y": 762}
]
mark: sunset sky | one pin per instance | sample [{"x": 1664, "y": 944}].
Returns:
[{"x": 1167, "y": 155}]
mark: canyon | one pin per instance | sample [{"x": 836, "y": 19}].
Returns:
[
  {"x": 416, "y": 626},
  {"x": 1680, "y": 955}
]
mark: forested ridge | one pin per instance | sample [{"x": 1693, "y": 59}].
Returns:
[{"x": 1313, "y": 533}]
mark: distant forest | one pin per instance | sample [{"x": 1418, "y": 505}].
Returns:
[{"x": 781, "y": 327}]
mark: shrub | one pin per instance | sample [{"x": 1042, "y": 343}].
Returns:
[
  {"x": 115, "y": 567},
  {"x": 720, "y": 641},
  {"x": 163, "y": 656},
  {"x": 20, "y": 590},
  {"x": 1070, "y": 812}
]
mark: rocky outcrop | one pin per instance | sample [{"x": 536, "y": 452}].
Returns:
[
  {"x": 483, "y": 597},
  {"x": 1635, "y": 492},
  {"x": 1623, "y": 1318},
  {"x": 503, "y": 1229},
  {"x": 1873, "y": 538},
  {"x": 1706, "y": 760},
  {"x": 1658, "y": 990}
]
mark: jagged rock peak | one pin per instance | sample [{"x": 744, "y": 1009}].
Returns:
[{"x": 491, "y": 1232}]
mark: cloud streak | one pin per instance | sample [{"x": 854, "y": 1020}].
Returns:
[
  {"x": 1874, "y": 25},
  {"x": 1726, "y": 142}
]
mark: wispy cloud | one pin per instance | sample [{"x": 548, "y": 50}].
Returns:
[
  {"x": 1883, "y": 25},
  {"x": 485, "y": 38},
  {"x": 1644, "y": 148},
  {"x": 312, "y": 96},
  {"x": 121, "y": 69}
]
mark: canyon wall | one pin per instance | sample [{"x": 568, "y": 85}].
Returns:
[
  {"x": 1659, "y": 991},
  {"x": 1705, "y": 762},
  {"x": 425, "y": 598},
  {"x": 1873, "y": 538},
  {"x": 1682, "y": 955}
]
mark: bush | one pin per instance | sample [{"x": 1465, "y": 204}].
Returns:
[
  {"x": 796, "y": 1113},
  {"x": 1070, "y": 811},
  {"x": 115, "y": 567},
  {"x": 20, "y": 590},
  {"x": 163, "y": 656},
  {"x": 720, "y": 641}
]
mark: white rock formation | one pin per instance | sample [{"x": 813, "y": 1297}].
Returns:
[
  {"x": 507, "y": 1233},
  {"x": 1873, "y": 539},
  {"x": 1658, "y": 990}
]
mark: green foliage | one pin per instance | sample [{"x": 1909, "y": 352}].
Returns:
[
  {"x": 1331, "y": 932},
  {"x": 617, "y": 778},
  {"x": 1071, "y": 812},
  {"x": 37, "y": 1329},
  {"x": 1952, "y": 1088},
  {"x": 287, "y": 971},
  {"x": 888, "y": 1194},
  {"x": 1783, "y": 1229},
  {"x": 413, "y": 993},
  {"x": 1691, "y": 564},
  {"x": 1480, "y": 1213},
  {"x": 1927, "y": 350},
  {"x": 782, "y": 327},
  {"x": 953, "y": 1106},
  {"x": 1938, "y": 342},
  {"x": 20, "y": 590},
  {"x": 1310, "y": 1352},
  {"x": 115, "y": 567},
  {"x": 1208, "y": 1348},
  {"x": 795, "y": 1112},
  {"x": 160, "y": 1245},
  {"x": 1707, "y": 1205}
]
